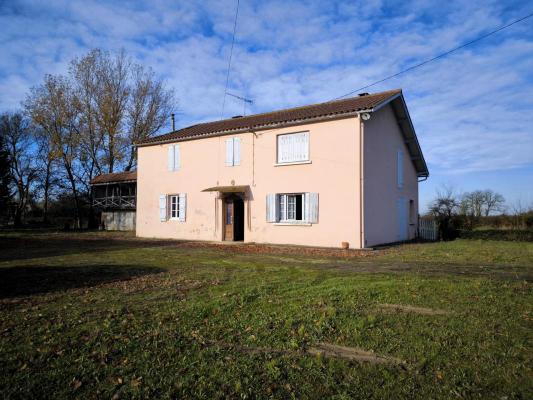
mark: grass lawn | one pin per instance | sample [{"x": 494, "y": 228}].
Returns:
[{"x": 105, "y": 315}]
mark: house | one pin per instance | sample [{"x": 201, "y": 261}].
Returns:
[
  {"x": 114, "y": 197},
  {"x": 340, "y": 173}
]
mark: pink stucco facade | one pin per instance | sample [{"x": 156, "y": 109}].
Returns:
[{"x": 335, "y": 171}]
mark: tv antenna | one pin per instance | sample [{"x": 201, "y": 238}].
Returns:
[{"x": 243, "y": 99}]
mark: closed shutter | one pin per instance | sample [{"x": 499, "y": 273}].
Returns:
[
  {"x": 182, "y": 206},
  {"x": 236, "y": 151},
  {"x": 271, "y": 208},
  {"x": 399, "y": 169},
  {"x": 171, "y": 158},
  {"x": 311, "y": 207},
  {"x": 293, "y": 147},
  {"x": 162, "y": 208},
  {"x": 177, "y": 157},
  {"x": 229, "y": 152},
  {"x": 402, "y": 218}
]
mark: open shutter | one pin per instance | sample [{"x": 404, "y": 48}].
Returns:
[
  {"x": 177, "y": 157},
  {"x": 271, "y": 208},
  {"x": 162, "y": 208},
  {"x": 229, "y": 152},
  {"x": 311, "y": 207},
  {"x": 305, "y": 146},
  {"x": 399, "y": 169},
  {"x": 182, "y": 206},
  {"x": 171, "y": 158},
  {"x": 236, "y": 151}
]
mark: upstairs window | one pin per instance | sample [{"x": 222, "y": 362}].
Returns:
[
  {"x": 293, "y": 147},
  {"x": 174, "y": 157},
  {"x": 233, "y": 152}
]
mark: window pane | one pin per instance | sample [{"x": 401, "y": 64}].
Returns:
[
  {"x": 299, "y": 207},
  {"x": 291, "y": 207},
  {"x": 282, "y": 210}
]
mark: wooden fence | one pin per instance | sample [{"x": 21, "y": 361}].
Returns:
[{"x": 427, "y": 229}]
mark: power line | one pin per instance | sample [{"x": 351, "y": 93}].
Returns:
[
  {"x": 437, "y": 57},
  {"x": 230, "y": 55}
]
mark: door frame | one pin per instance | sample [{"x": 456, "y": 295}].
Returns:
[{"x": 232, "y": 197}]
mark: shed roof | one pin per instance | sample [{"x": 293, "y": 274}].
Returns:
[{"x": 117, "y": 177}]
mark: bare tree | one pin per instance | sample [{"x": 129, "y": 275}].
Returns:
[
  {"x": 47, "y": 174},
  {"x": 52, "y": 106},
  {"x": 17, "y": 134},
  {"x": 443, "y": 208},
  {"x": 5, "y": 176},
  {"x": 149, "y": 108},
  {"x": 492, "y": 202}
]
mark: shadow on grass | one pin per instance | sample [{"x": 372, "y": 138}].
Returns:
[
  {"x": 25, "y": 280},
  {"x": 37, "y": 246}
]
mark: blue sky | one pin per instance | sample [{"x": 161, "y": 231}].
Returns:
[{"x": 473, "y": 110}]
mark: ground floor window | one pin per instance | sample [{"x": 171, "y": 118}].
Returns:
[
  {"x": 291, "y": 207},
  {"x": 174, "y": 202}
]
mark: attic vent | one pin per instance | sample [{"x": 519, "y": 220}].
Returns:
[
  {"x": 236, "y": 116},
  {"x": 363, "y": 94}
]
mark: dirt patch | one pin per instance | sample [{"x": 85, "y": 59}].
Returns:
[
  {"x": 320, "y": 349},
  {"x": 353, "y": 354},
  {"x": 411, "y": 309}
]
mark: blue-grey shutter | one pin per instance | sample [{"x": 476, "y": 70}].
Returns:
[
  {"x": 311, "y": 207},
  {"x": 229, "y": 152},
  {"x": 182, "y": 206},
  {"x": 162, "y": 208},
  {"x": 171, "y": 158},
  {"x": 399, "y": 168},
  {"x": 236, "y": 151},
  {"x": 271, "y": 208},
  {"x": 177, "y": 157}
]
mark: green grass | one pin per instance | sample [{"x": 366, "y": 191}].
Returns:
[{"x": 97, "y": 315}]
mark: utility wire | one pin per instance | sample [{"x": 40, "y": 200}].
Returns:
[
  {"x": 230, "y": 55},
  {"x": 436, "y": 57}
]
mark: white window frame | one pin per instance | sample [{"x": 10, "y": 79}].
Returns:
[
  {"x": 303, "y": 160},
  {"x": 283, "y": 200},
  {"x": 174, "y": 207}
]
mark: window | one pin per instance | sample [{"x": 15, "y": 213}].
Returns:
[
  {"x": 293, "y": 147},
  {"x": 292, "y": 207},
  {"x": 233, "y": 152},
  {"x": 172, "y": 207},
  {"x": 399, "y": 168},
  {"x": 174, "y": 157}
]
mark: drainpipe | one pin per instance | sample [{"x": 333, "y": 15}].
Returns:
[{"x": 362, "y": 182}]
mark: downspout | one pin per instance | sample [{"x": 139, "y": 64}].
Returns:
[{"x": 362, "y": 182}]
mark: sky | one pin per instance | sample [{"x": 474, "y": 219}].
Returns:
[{"x": 472, "y": 110}]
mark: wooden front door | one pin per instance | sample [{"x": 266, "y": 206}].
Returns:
[{"x": 228, "y": 219}]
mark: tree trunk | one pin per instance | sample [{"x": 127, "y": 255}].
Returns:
[
  {"x": 77, "y": 213},
  {"x": 132, "y": 159}
]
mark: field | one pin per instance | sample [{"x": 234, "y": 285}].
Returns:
[{"x": 106, "y": 315}]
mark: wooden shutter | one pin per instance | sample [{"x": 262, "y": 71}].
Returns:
[
  {"x": 236, "y": 151},
  {"x": 399, "y": 168},
  {"x": 401, "y": 206},
  {"x": 177, "y": 157},
  {"x": 171, "y": 158},
  {"x": 311, "y": 207},
  {"x": 229, "y": 152},
  {"x": 305, "y": 146},
  {"x": 271, "y": 208},
  {"x": 162, "y": 208},
  {"x": 182, "y": 206}
]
